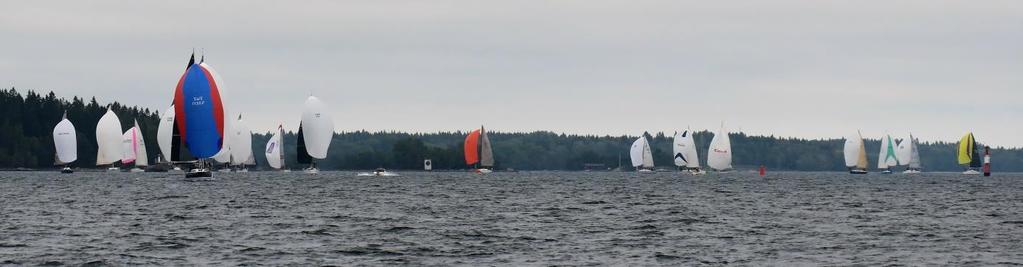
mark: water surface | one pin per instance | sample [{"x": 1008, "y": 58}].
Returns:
[{"x": 526, "y": 218}]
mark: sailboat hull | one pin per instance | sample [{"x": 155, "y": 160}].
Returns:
[{"x": 857, "y": 171}]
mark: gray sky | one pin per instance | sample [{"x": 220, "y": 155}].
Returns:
[{"x": 814, "y": 69}]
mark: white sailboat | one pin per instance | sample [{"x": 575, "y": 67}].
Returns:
[
  {"x": 909, "y": 154},
  {"x": 315, "y": 132},
  {"x": 642, "y": 157},
  {"x": 108, "y": 140},
  {"x": 855, "y": 154},
  {"x": 65, "y": 141},
  {"x": 719, "y": 155},
  {"x": 275, "y": 149},
  {"x": 886, "y": 158},
  {"x": 241, "y": 150},
  {"x": 684, "y": 150}
]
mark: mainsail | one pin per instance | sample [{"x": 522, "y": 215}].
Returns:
[
  {"x": 141, "y": 157},
  {"x": 65, "y": 141},
  {"x": 303, "y": 153},
  {"x": 719, "y": 155},
  {"x": 486, "y": 151},
  {"x": 108, "y": 138},
  {"x": 909, "y": 154}
]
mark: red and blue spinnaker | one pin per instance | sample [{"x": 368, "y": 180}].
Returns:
[{"x": 199, "y": 111}]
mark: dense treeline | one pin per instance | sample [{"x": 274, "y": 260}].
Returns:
[
  {"x": 27, "y": 124},
  {"x": 26, "y": 127}
]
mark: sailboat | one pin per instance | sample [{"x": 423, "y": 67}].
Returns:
[
  {"x": 684, "y": 149},
  {"x": 855, "y": 154},
  {"x": 886, "y": 158},
  {"x": 641, "y": 156},
  {"x": 168, "y": 138},
  {"x": 909, "y": 155},
  {"x": 108, "y": 138},
  {"x": 200, "y": 116},
  {"x": 967, "y": 154},
  {"x": 478, "y": 152},
  {"x": 134, "y": 148},
  {"x": 719, "y": 155},
  {"x": 275, "y": 149},
  {"x": 315, "y": 132},
  {"x": 241, "y": 150},
  {"x": 65, "y": 141}
]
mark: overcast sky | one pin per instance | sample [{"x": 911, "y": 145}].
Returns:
[{"x": 815, "y": 69}]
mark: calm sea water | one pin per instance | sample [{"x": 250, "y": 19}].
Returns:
[{"x": 527, "y": 218}]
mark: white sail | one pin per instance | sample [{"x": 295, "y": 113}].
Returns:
[
  {"x": 318, "y": 128},
  {"x": 128, "y": 146},
  {"x": 241, "y": 150},
  {"x": 108, "y": 138},
  {"x": 852, "y": 150},
  {"x": 486, "y": 151},
  {"x": 164, "y": 133},
  {"x": 909, "y": 153},
  {"x": 684, "y": 150},
  {"x": 273, "y": 151},
  {"x": 887, "y": 156},
  {"x": 141, "y": 157},
  {"x": 914, "y": 159},
  {"x": 65, "y": 140},
  {"x": 636, "y": 151},
  {"x": 224, "y": 156},
  {"x": 719, "y": 155}
]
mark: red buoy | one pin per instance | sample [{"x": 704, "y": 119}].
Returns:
[
  {"x": 987, "y": 161},
  {"x": 763, "y": 170}
]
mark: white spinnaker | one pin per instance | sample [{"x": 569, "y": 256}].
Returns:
[
  {"x": 852, "y": 150},
  {"x": 224, "y": 156},
  {"x": 241, "y": 150},
  {"x": 719, "y": 155},
  {"x": 273, "y": 150},
  {"x": 128, "y": 146},
  {"x": 141, "y": 157},
  {"x": 65, "y": 140},
  {"x": 883, "y": 160},
  {"x": 684, "y": 150},
  {"x": 904, "y": 151},
  {"x": 164, "y": 133},
  {"x": 318, "y": 127},
  {"x": 636, "y": 151},
  {"x": 108, "y": 138}
]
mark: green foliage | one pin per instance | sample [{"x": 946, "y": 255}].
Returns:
[{"x": 26, "y": 128}]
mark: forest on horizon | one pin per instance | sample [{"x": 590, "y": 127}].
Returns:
[{"x": 28, "y": 119}]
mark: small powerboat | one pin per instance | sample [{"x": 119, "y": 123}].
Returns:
[{"x": 378, "y": 172}]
